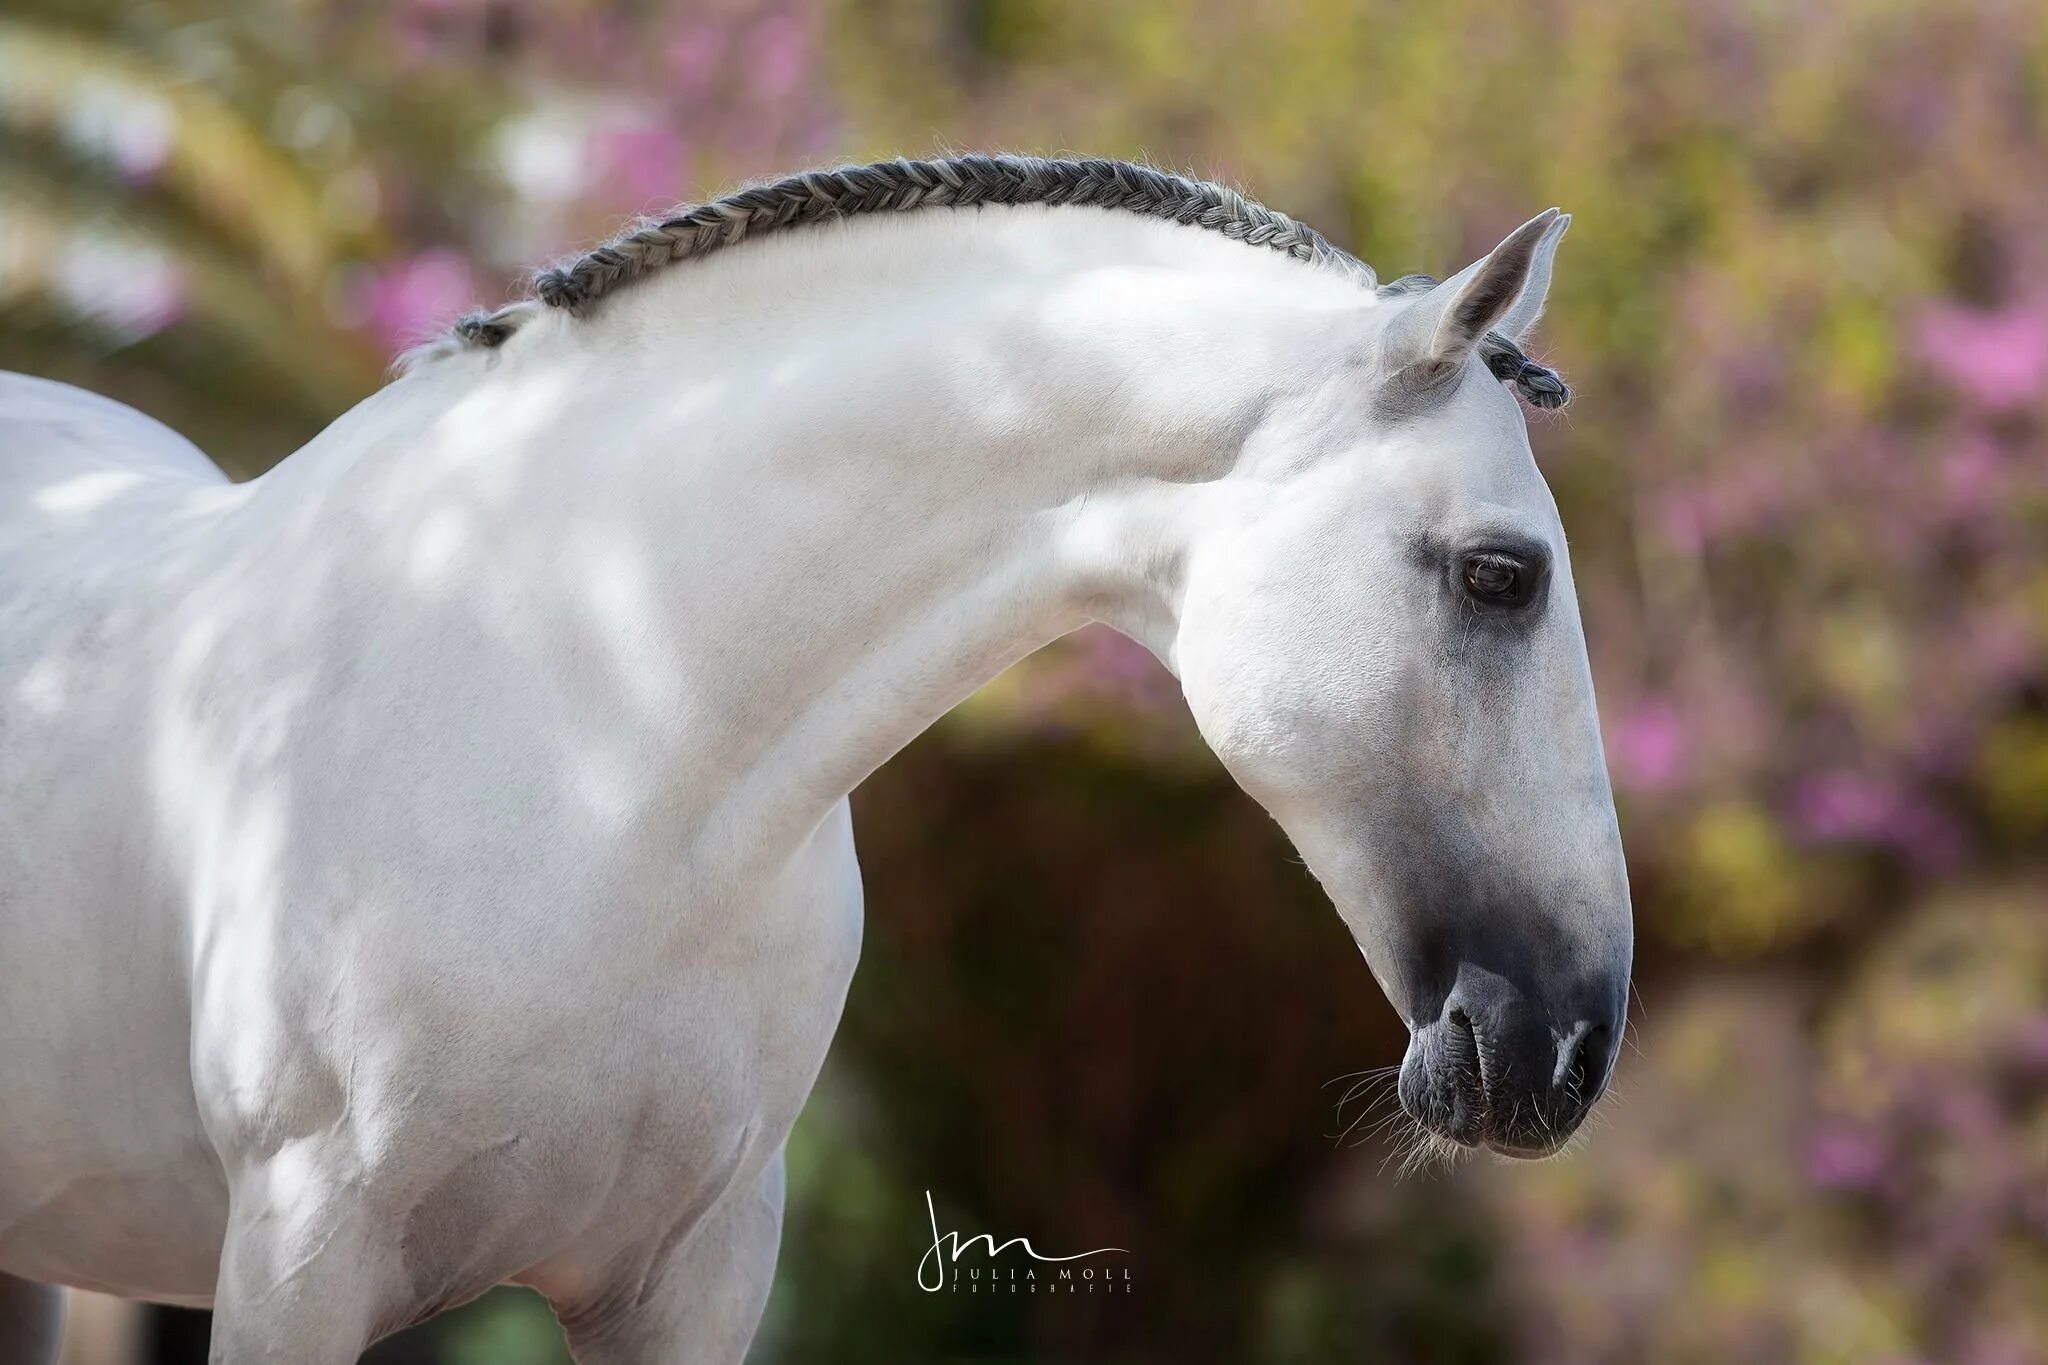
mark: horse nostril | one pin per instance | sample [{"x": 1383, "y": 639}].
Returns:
[{"x": 1581, "y": 1063}]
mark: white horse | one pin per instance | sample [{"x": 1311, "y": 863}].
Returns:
[{"x": 428, "y": 865}]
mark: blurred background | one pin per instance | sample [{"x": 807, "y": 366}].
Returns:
[{"x": 1804, "y": 306}]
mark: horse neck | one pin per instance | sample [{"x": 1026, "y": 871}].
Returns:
[{"x": 780, "y": 510}]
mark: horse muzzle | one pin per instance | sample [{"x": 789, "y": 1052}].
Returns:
[{"x": 1500, "y": 1068}]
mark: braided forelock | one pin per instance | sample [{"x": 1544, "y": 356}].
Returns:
[{"x": 968, "y": 181}]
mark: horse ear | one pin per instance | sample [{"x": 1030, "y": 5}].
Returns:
[
  {"x": 1519, "y": 321},
  {"x": 1430, "y": 338}
]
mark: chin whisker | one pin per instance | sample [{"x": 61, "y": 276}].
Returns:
[{"x": 1385, "y": 1080}]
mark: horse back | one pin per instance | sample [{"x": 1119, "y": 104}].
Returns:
[{"x": 49, "y": 430}]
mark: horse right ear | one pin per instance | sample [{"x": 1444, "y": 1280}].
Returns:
[
  {"x": 1521, "y": 320},
  {"x": 1430, "y": 338}
]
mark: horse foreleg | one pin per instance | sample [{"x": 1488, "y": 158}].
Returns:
[
  {"x": 31, "y": 1321},
  {"x": 304, "y": 1280},
  {"x": 704, "y": 1302}
]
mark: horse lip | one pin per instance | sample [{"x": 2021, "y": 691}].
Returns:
[
  {"x": 1454, "y": 1083},
  {"x": 1519, "y": 1153},
  {"x": 1469, "y": 1116}
]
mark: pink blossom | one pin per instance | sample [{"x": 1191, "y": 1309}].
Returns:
[
  {"x": 132, "y": 293},
  {"x": 2032, "y": 1040},
  {"x": 1840, "y": 1156},
  {"x": 1967, "y": 1112},
  {"x": 1740, "y": 500},
  {"x": 1096, "y": 665},
  {"x": 1684, "y": 517},
  {"x": 1849, "y": 807},
  {"x": 1117, "y": 657},
  {"x": 408, "y": 299},
  {"x": 780, "y": 55},
  {"x": 694, "y": 54},
  {"x": 1998, "y": 358},
  {"x": 1928, "y": 837},
  {"x": 1126, "y": 668},
  {"x": 1647, "y": 747},
  {"x": 643, "y": 159},
  {"x": 140, "y": 142},
  {"x": 148, "y": 303},
  {"x": 2001, "y": 645},
  {"x": 1972, "y": 476},
  {"x": 425, "y": 28},
  {"x": 1992, "y": 1345},
  {"x": 1843, "y": 806}
]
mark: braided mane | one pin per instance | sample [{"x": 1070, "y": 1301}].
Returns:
[{"x": 971, "y": 181}]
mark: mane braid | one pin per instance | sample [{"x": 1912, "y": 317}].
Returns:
[
  {"x": 902, "y": 185},
  {"x": 970, "y": 181}
]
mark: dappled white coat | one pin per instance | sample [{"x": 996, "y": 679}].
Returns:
[{"x": 429, "y": 864}]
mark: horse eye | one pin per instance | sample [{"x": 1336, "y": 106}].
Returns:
[{"x": 1495, "y": 578}]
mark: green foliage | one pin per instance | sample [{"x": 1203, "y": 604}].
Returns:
[
  {"x": 1802, "y": 306},
  {"x": 1870, "y": 1189}
]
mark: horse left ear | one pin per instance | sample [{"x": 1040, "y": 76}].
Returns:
[{"x": 1432, "y": 336}]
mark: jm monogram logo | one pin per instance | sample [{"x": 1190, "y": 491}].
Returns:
[{"x": 946, "y": 1249}]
